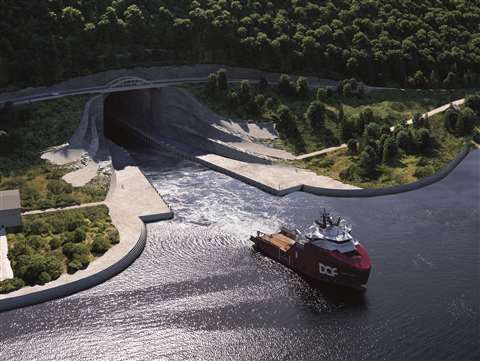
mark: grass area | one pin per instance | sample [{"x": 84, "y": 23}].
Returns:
[
  {"x": 29, "y": 130},
  {"x": 395, "y": 105},
  {"x": 407, "y": 168},
  {"x": 423, "y": 152},
  {"x": 54, "y": 243},
  {"x": 42, "y": 187},
  {"x": 390, "y": 106}
]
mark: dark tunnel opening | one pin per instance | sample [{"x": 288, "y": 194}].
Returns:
[
  {"x": 172, "y": 120},
  {"x": 122, "y": 111}
]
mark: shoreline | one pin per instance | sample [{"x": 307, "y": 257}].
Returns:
[
  {"x": 131, "y": 225},
  {"x": 132, "y": 202}
]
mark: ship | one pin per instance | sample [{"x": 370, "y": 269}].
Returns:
[{"x": 326, "y": 253}]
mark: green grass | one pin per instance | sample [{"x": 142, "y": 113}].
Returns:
[
  {"x": 54, "y": 243},
  {"x": 405, "y": 168},
  {"x": 388, "y": 106},
  {"x": 311, "y": 140},
  {"x": 30, "y": 130},
  {"x": 391, "y": 106},
  {"x": 42, "y": 187},
  {"x": 397, "y": 105}
]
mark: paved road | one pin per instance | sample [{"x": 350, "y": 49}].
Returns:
[
  {"x": 48, "y": 95},
  {"x": 176, "y": 81}
]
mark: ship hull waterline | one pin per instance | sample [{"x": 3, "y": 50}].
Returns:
[{"x": 353, "y": 282}]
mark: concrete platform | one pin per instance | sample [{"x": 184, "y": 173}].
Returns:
[
  {"x": 82, "y": 176},
  {"x": 135, "y": 197},
  {"x": 275, "y": 179},
  {"x": 64, "y": 154}
]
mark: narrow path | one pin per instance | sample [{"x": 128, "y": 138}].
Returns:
[
  {"x": 435, "y": 111},
  {"x": 51, "y": 210},
  {"x": 428, "y": 114},
  {"x": 320, "y": 152}
]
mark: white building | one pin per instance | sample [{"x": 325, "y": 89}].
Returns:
[{"x": 10, "y": 209}]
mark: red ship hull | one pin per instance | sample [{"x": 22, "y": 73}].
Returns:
[{"x": 316, "y": 265}]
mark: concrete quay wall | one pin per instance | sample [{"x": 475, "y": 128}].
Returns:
[{"x": 321, "y": 191}]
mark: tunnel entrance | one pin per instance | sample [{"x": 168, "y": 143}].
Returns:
[
  {"x": 170, "y": 119},
  {"x": 124, "y": 111}
]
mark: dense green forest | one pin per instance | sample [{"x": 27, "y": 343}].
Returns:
[{"x": 429, "y": 43}]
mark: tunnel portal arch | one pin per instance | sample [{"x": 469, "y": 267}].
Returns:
[{"x": 127, "y": 82}]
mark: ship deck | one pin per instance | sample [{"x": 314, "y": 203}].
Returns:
[{"x": 279, "y": 240}]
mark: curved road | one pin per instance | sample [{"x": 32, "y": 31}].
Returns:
[{"x": 110, "y": 87}]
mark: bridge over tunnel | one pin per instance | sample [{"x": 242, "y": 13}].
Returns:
[{"x": 169, "y": 116}]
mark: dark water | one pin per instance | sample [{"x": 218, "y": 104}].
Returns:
[{"x": 199, "y": 292}]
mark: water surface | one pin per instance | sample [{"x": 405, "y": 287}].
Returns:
[{"x": 199, "y": 291}]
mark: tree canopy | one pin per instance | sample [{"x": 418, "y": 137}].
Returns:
[{"x": 413, "y": 43}]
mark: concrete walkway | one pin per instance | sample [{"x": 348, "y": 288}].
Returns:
[
  {"x": 435, "y": 111},
  {"x": 83, "y": 175},
  {"x": 51, "y": 210},
  {"x": 5, "y": 266},
  {"x": 263, "y": 150},
  {"x": 63, "y": 154},
  {"x": 320, "y": 152}
]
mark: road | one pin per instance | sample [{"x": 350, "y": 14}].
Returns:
[
  {"x": 320, "y": 152},
  {"x": 107, "y": 88},
  {"x": 49, "y": 95}
]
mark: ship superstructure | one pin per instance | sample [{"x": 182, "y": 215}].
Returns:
[{"x": 327, "y": 252}]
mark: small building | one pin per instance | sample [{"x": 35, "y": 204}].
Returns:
[{"x": 10, "y": 209}]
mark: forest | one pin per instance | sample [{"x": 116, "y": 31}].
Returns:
[
  {"x": 378, "y": 155},
  {"x": 429, "y": 43}
]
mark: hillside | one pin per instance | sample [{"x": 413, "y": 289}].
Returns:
[{"x": 431, "y": 43}]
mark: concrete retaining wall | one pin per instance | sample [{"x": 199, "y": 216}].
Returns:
[{"x": 79, "y": 285}]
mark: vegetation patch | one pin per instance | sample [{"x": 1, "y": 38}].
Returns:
[
  {"x": 58, "y": 242},
  {"x": 27, "y": 131},
  {"x": 42, "y": 187},
  {"x": 309, "y": 121},
  {"x": 419, "y": 44},
  {"x": 404, "y": 160}
]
